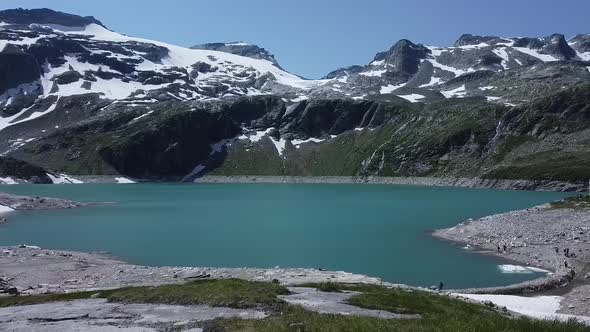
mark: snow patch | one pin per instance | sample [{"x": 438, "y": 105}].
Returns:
[
  {"x": 374, "y": 73},
  {"x": 456, "y": 71},
  {"x": 63, "y": 179},
  {"x": 471, "y": 47},
  {"x": 539, "y": 307},
  {"x": 377, "y": 63},
  {"x": 458, "y": 92},
  {"x": 414, "y": 97},
  {"x": 390, "y": 88},
  {"x": 279, "y": 145},
  {"x": 490, "y": 98},
  {"x": 124, "y": 181},
  {"x": 7, "y": 180},
  {"x": 501, "y": 52},
  {"x": 533, "y": 53},
  {"x": 237, "y": 44},
  {"x": 142, "y": 116},
  {"x": 299, "y": 99},
  {"x": 433, "y": 81},
  {"x": 517, "y": 269},
  {"x": 257, "y": 136},
  {"x": 297, "y": 142}
]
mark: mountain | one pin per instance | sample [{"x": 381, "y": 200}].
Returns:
[
  {"x": 240, "y": 48},
  {"x": 45, "y": 17},
  {"x": 80, "y": 99}
]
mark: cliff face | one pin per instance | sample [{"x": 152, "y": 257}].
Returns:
[
  {"x": 13, "y": 170},
  {"x": 546, "y": 139}
]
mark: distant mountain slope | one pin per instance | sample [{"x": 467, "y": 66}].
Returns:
[{"x": 76, "y": 97}]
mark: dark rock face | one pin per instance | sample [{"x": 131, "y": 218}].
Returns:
[
  {"x": 16, "y": 68},
  {"x": 555, "y": 45},
  {"x": 404, "y": 56},
  {"x": 580, "y": 43},
  {"x": 18, "y": 169},
  {"x": 170, "y": 147},
  {"x": 325, "y": 117},
  {"x": 67, "y": 77},
  {"x": 45, "y": 16},
  {"x": 345, "y": 71},
  {"x": 468, "y": 39}
]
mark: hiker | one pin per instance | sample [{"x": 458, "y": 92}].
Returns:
[
  {"x": 565, "y": 264},
  {"x": 498, "y": 248},
  {"x": 441, "y": 286},
  {"x": 567, "y": 252},
  {"x": 504, "y": 246}
]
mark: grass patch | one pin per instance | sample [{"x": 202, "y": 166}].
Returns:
[
  {"x": 11, "y": 301},
  {"x": 232, "y": 293},
  {"x": 578, "y": 202},
  {"x": 218, "y": 293},
  {"x": 440, "y": 313},
  {"x": 328, "y": 287}
]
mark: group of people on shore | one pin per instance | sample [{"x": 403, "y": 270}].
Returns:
[
  {"x": 502, "y": 248},
  {"x": 566, "y": 253}
]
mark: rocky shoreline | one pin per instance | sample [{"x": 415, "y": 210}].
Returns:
[
  {"x": 35, "y": 271},
  {"x": 533, "y": 185},
  {"x": 15, "y": 202},
  {"x": 502, "y": 184},
  {"x": 536, "y": 237}
]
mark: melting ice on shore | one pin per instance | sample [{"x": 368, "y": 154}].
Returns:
[{"x": 507, "y": 268}]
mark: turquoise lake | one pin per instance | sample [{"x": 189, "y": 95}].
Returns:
[{"x": 378, "y": 230}]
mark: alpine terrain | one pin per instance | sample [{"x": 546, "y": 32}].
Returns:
[{"x": 79, "y": 99}]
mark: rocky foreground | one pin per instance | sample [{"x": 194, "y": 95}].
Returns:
[
  {"x": 537, "y": 237},
  {"x": 40, "y": 271}
]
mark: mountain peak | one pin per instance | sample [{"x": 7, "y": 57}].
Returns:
[
  {"x": 239, "y": 48},
  {"x": 581, "y": 43},
  {"x": 555, "y": 45},
  {"x": 469, "y": 39},
  {"x": 45, "y": 16}
]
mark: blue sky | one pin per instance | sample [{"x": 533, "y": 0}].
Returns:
[{"x": 313, "y": 37}]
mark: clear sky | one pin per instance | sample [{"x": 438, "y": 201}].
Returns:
[{"x": 314, "y": 37}]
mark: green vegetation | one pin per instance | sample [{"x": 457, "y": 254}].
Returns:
[
  {"x": 439, "y": 312},
  {"x": 11, "y": 301},
  {"x": 578, "y": 202},
  {"x": 232, "y": 293}
]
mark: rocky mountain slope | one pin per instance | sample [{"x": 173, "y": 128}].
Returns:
[{"x": 77, "y": 98}]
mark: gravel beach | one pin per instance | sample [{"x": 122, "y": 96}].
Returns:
[
  {"x": 537, "y": 237},
  {"x": 413, "y": 181}
]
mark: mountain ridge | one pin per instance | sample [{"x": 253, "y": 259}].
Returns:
[{"x": 65, "y": 92}]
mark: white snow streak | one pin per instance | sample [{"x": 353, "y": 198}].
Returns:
[
  {"x": 63, "y": 179},
  {"x": 390, "y": 88},
  {"x": 414, "y": 97},
  {"x": 534, "y": 53},
  {"x": 124, "y": 181}
]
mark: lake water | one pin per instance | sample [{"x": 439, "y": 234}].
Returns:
[{"x": 377, "y": 230}]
